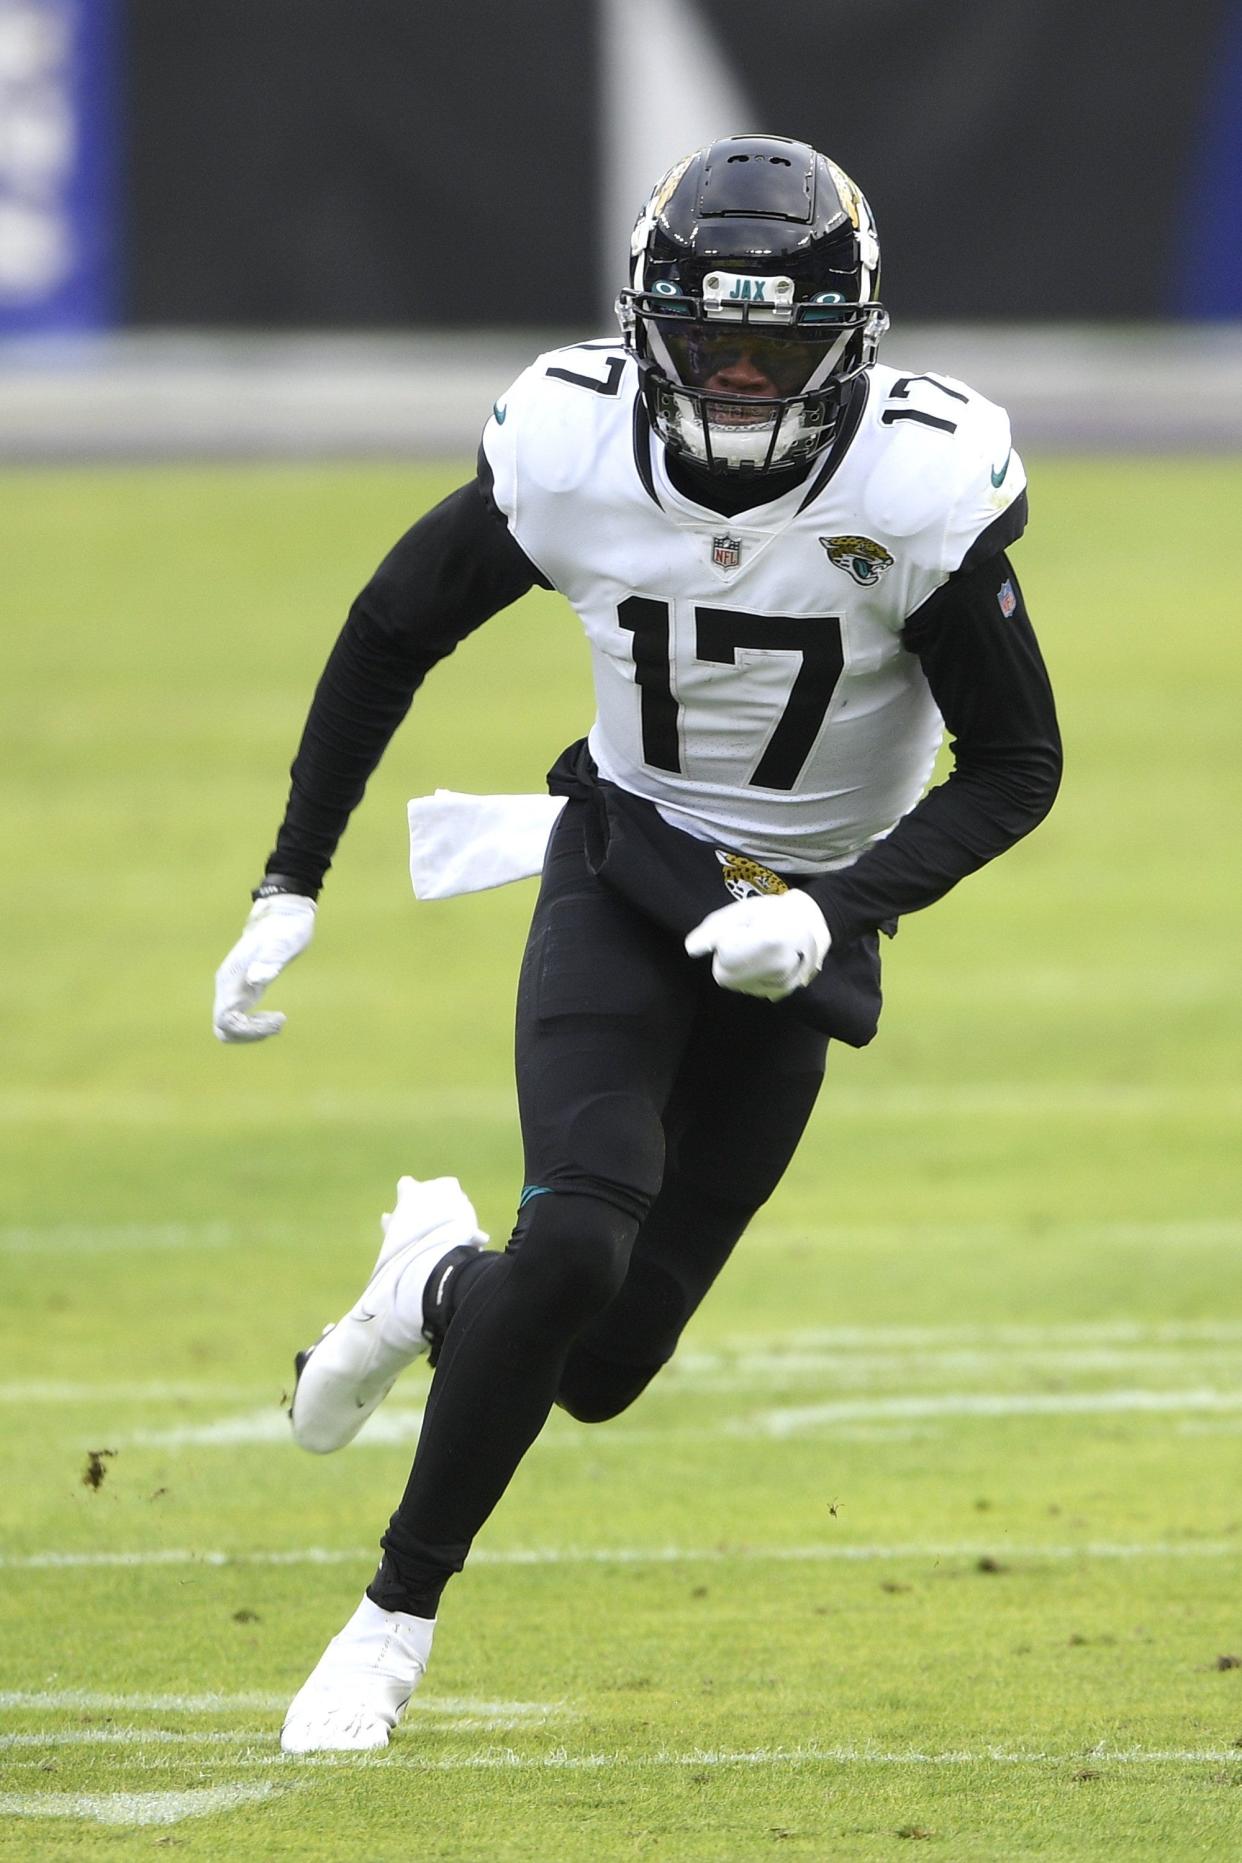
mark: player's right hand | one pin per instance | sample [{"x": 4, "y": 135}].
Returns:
[
  {"x": 767, "y": 946},
  {"x": 278, "y": 930}
]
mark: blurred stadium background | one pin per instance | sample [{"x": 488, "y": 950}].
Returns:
[{"x": 291, "y": 228}]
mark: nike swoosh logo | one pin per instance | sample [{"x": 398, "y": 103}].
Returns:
[
  {"x": 499, "y": 410},
  {"x": 998, "y": 478}
]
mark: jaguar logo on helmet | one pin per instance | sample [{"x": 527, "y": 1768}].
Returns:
[
  {"x": 860, "y": 557},
  {"x": 745, "y": 878}
]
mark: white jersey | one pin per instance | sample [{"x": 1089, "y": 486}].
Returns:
[{"x": 750, "y": 678}]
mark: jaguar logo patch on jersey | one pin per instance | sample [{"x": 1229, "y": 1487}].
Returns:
[
  {"x": 745, "y": 878},
  {"x": 726, "y": 552},
  {"x": 860, "y": 557}
]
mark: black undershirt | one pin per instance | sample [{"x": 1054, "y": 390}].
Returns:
[{"x": 459, "y": 565}]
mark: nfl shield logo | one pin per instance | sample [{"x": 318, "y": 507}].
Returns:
[
  {"x": 1006, "y": 595},
  {"x": 726, "y": 552}
]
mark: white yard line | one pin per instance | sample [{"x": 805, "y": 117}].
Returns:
[
  {"x": 267, "y": 1425},
  {"x": 1177, "y": 1232},
  {"x": 405, "y": 1753},
  {"x": 398, "y": 1425},
  {"x": 718, "y": 1372},
  {"x": 139, "y": 1808},
  {"x": 128, "y": 1737},
  {"x": 1068, "y": 1333},
  {"x": 168, "y": 1109},
  {"x": 810, "y": 1754},
  {"x": 76, "y": 1700},
  {"x": 139, "y": 1391},
  {"x": 792, "y": 1420},
  {"x": 798, "y": 1344},
  {"x": 99, "y": 1238},
  {"x": 919, "y": 1551},
  {"x": 1211, "y": 1102},
  {"x": 108, "y": 1701},
  {"x": 133, "y": 1808}
]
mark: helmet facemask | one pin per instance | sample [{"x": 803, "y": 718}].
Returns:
[
  {"x": 745, "y": 393},
  {"x": 745, "y": 358}
]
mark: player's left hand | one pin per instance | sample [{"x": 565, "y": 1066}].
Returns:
[
  {"x": 765, "y": 946},
  {"x": 278, "y": 930}
]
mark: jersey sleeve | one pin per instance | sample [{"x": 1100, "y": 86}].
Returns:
[
  {"x": 499, "y": 449},
  {"x": 525, "y": 453},
  {"x": 544, "y": 444},
  {"x": 947, "y": 490},
  {"x": 989, "y": 510}
]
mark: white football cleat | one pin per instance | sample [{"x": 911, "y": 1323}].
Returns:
[
  {"x": 357, "y": 1691},
  {"x": 348, "y": 1373}
]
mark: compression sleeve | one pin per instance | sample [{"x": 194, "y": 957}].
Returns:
[
  {"x": 977, "y": 648},
  {"x": 454, "y": 569}
]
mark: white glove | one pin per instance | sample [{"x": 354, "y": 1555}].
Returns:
[
  {"x": 766, "y": 946},
  {"x": 278, "y": 930}
]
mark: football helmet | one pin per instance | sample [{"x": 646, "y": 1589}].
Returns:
[{"x": 753, "y": 300}]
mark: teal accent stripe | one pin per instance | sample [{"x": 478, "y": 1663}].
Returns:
[{"x": 533, "y": 1190}]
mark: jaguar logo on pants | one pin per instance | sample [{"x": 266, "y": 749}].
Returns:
[{"x": 745, "y": 878}]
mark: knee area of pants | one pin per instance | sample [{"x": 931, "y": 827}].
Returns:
[
  {"x": 595, "y": 1392},
  {"x": 574, "y": 1254}
]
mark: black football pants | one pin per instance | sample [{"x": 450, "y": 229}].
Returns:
[{"x": 658, "y": 1112}]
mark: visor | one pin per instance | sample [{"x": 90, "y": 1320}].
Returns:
[
  {"x": 792, "y": 361},
  {"x": 698, "y": 354}
]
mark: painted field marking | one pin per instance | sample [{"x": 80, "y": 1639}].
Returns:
[
  {"x": 608, "y": 1555},
  {"x": 813, "y": 1755},
  {"x": 807, "y": 1753},
  {"x": 254, "y": 1427},
  {"x": 1213, "y": 1103},
  {"x": 138, "y": 1391},
  {"x": 167, "y": 1109},
  {"x": 560, "y": 1759},
  {"x": 1067, "y": 1333},
  {"x": 711, "y": 1373},
  {"x": 798, "y": 1344},
  {"x": 127, "y": 1737},
  {"x": 100, "y": 1238},
  {"x": 107, "y": 1701},
  {"x": 170, "y": 1807},
  {"x": 398, "y": 1425},
  {"x": 454, "y": 1708},
  {"x": 790, "y": 1420},
  {"x": 1175, "y": 1232},
  {"x": 134, "y": 1808}
]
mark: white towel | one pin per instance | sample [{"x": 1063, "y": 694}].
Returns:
[{"x": 465, "y": 844}]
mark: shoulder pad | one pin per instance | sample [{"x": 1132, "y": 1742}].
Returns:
[
  {"x": 547, "y": 428},
  {"x": 947, "y": 469}
]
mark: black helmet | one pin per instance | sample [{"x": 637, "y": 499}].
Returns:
[{"x": 754, "y": 277}]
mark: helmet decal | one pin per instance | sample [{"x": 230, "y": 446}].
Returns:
[{"x": 848, "y": 192}]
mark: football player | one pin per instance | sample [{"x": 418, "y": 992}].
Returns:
[{"x": 791, "y": 565}]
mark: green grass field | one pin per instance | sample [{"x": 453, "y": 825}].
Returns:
[{"x": 932, "y": 1531}]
